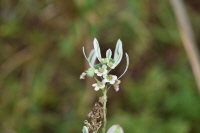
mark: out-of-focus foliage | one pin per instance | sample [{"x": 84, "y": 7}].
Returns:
[{"x": 41, "y": 60}]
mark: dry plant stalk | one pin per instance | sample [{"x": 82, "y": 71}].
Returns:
[{"x": 187, "y": 37}]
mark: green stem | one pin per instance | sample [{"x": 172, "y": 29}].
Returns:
[
  {"x": 104, "y": 109},
  {"x": 96, "y": 79}
]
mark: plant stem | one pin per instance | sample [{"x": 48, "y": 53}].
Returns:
[{"x": 104, "y": 110}]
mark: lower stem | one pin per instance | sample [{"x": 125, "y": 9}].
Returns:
[{"x": 104, "y": 110}]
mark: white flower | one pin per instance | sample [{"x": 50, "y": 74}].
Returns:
[
  {"x": 111, "y": 65},
  {"x": 101, "y": 70},
  {"x": 109, "y": 78},
  {"x": 82, "y": 76},
  {"x": 98, "y": 85},
  {"x": 104, "y": 60}
]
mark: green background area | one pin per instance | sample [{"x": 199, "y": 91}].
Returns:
[{"x": 41, "y": 60}]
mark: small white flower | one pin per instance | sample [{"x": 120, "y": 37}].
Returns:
[
  {"x": 109, "y": 78},
  {"x": 98, "y": 85},
  {"x": 82, "y": 76},
  {"x": 101, "y": 70},
  {"x": 111, "y": 65},
  {"x": 104, "y": 60}
]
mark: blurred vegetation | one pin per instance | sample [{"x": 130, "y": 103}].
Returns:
[{"x": 41, "y": 60}]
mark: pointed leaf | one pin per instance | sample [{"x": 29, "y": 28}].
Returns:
[
  {"x": 116, "y": 49},
  {"x": 118, "y": 52},
  {"x": 127, "y": 64},
  {"x": 115, "y": 129},
  {"x": 87, "y": 58},
  {"x": 97, "y": 49},
  {"x": 92, "y": 57},
  {"x": 108, "y": 54}
]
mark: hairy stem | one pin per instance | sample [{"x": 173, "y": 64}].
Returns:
[{"x": 104, "y": 110}]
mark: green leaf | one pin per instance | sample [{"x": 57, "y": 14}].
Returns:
[
  {"x": 111, "y": 60},
  {"x": 97, "y": 49},
  {"x": 98, "y": 65},
  {"x": 127, "y": 64},
  {"x": 118, "y": 52},
  {"x": 87, "y": 58},
  {"x": 108, "y": 54},
  {"x": 115, "y": 129},
  {"x": 92, "y": 57}
]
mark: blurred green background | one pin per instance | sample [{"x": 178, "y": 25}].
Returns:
[{"x": 41, "y": 60}]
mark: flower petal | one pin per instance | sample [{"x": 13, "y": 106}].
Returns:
[
  {"x": 112, "y": 82},
  {"x": 96, "y": 88},
  {"x": 94, "y": 85},
  {"x": 97, "y": 49},
  {"x": 96, "y": 70},
  {"x": 114, "y": 77},
  {"x": 103, "y": 86},
  {"x": 104, "y": 66},
  {"x": 99, "y": 74}
]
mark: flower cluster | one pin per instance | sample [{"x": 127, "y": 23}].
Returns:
[{"x": 101, "y": 70}]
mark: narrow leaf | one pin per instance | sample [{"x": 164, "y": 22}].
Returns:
[
  {"x": 127, "y": 64},
  {"x": 97, "y": 49},
  {"x": 92, "y": 57},
  {"x": 87, "y": 58},
  {"x": 116, "y": 54},
  {"x": 108, "y": 54}
]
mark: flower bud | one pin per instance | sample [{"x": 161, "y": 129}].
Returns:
[{"x": 90, "y": 72}]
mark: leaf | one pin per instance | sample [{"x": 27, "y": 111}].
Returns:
[
  {"x": 111, "y": 60},
  {"x": 85, "y": 130},
  {"x": 115, "y": 129},
  {"x": 97, "y": 49},
  {"x": 98, "y": 65},
  {"x": 118, "y": 52},
  {"x": 92, "y": 57},
  {"x": 86, "y": 58},
  {"x": 108, "y": 54},
  {"x": 127, "y": 64}
]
